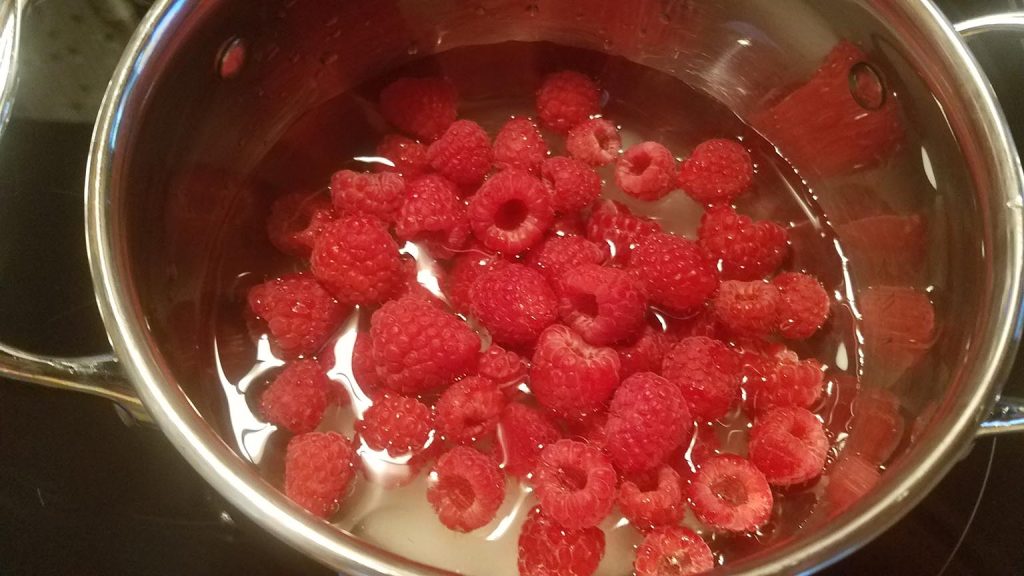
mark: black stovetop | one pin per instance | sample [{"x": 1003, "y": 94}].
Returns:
[{"x": 82, "y": 493}]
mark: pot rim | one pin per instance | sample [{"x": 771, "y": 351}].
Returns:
[{"x": 236, "y": 480}]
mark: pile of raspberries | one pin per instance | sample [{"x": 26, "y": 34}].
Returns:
[{"x": 606, "y": 342}]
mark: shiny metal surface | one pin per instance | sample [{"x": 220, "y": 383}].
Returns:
[
  {"x": 10, "y": 38},
  {"x": 1008, "y": 22},
  {"x": 135, "y": 146}
]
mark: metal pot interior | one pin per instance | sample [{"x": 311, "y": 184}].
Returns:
[{"x": 200, "y": 151}]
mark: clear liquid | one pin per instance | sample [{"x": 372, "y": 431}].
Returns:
[{"x": 388, "y": 506}]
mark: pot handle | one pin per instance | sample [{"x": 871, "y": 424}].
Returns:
[
  {"x": 97, "y": 375},
  {"x": 1008, "y": 414}
]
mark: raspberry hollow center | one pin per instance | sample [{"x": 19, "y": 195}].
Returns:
[
  {"x": 572, "y": 479},
  {"x": 639, "y": 163},
  {"x": 730, "y": 490},
  {"x": 585, "y": 304},
  {"x": 458, "y": 492},
  {"x": 511, "y": 215}
]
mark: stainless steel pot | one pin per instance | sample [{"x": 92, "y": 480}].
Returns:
[{"x": 179, "y": 134}]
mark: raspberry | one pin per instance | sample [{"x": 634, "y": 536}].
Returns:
[
  {"x": 643, "y": 354},
  {"x": 318, "y": 468},
  {"x": 791, "y": 383},
  {"x": 418, "y": 347},
  {"x": 604, "y": 305},
  {"x": 467, "y": 489},
  {"x": 822, "y": 127},
  {"x": 519, "y": 145},
  {"x": 422, "y": 107},
  {"x": 434, "y": 214},
  {"x": 357, "y": 260},
  {"x": 379, "y": 195},
  {"x": 877, "y": 427},
  {"x": 462, "y": 154},
  {"x": 660, "y": 502},
  {"x": 850, "y": 478},
  {"x": 788, "y": 445},
  {"x": 363, "y": 368},
  {"x": 464, "y": 271},
  {"x": 747, "y": 307},
  {"x": 716, "y": 172},
  {"x": 469, "y": 410},
  {"x": 504, "y": 367},
  {"x": 510, "y": 212},
  {"x": 300, "y": 315},
  {"x": 571, "y": 224},
  {"x": 612, "y": 224},
  {"x": 566, "y": 99},
  {"x": 594, "y": 142},
  {"x": 557, "y": 255},
  {"x": 673, "y": 551},
  {"x": 296, "y": 220},
  {"x": 747, "y": 250},
  {"x": 523, "y": 432},
  {"x": 677, "y": 273},
  {"x": 297, "y": 398},
  {"x": 703, "y": 323},
  {"x": 707, "y": 372},
  {"x": 570, "y": 376},
  {"x": 646, "y": 171},
  {"x": 729, "y": 493},
  {"x": 803, "y": 305},
  {"x": 575, "y": 484},
  {"x": 514, "y": 303},
  {"x": 647, "y": 419},
  {"x": 408, "y": 156},
  {"x": 573, "y": 185},
  {"x": 547, "y": 549},
  {"x": 398, "y": 424}
]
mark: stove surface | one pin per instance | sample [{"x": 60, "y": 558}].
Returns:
[{"x": 82, "y": 492}]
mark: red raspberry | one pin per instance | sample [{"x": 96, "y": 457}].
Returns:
[
  {"x": 519, "y": 145},
  {"x": 646, "y": 171},
  {"x": 548, "y": 549},
  {"x": 523, "y": 432},
  {"x": 300, "y": 315},
  {"x": 510, "y": 212},
  {"x": 566, "y": 99},
  {"x": 877, "y": 428},
  {"x": 604, "y": 305},
  {"x": 747, "y": 250},
  {"x": 647, "y": 419},
  {"x": 464, "y": 271},
  {"x": 729, "y": 493},
  {"x": 419, "y": 347},
  {"x": 504, "y": 367},
  {"x": 318, "y": 468},
  {"x": 575, "y": 484},
  {"x": 803, "y": 305},
  {"x": 791, "y": 383},
  {"x": 568, "y": 225},
  {"x": 357, "y": 260},
  {"x": 611, "y": 223},
  {"x": 747, "y": 307},
  {"x": 573, "y": 185},
  {"x": 707, "y": 372},
  {"x": 570, "y": 376},
  {"x": 462, "y": 154},
  {"x": 850, "y": 478},
  {"x": 296, "y": 220},
  {"x": 788, "y": 445},
  {"x": 658, "y": 502},
  {"x": 422, "y": 107},
  {"x": 595, "y": 142},
  {"x": 717, "y": 172},
  {"x": 703, "y": 323},
  {"x": 469, "y": 410},
  {"x": 433, "y": 213},
  {"x": 677, "y": 273},
  {"x": 467, "y": 489},
  {"x": 363, "y": 368},
  {"x": 673, "y": 551},
  {"x": 297, "y": 398},
  {"x": 398, "y": 424},
  {"x": 643, "y": 354},
  {"x": 408, "y": 156},
  {"x": 514, "y": 303},
  {"x": 557, "y": 255},
  {"x": 379, "y": 195}
]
